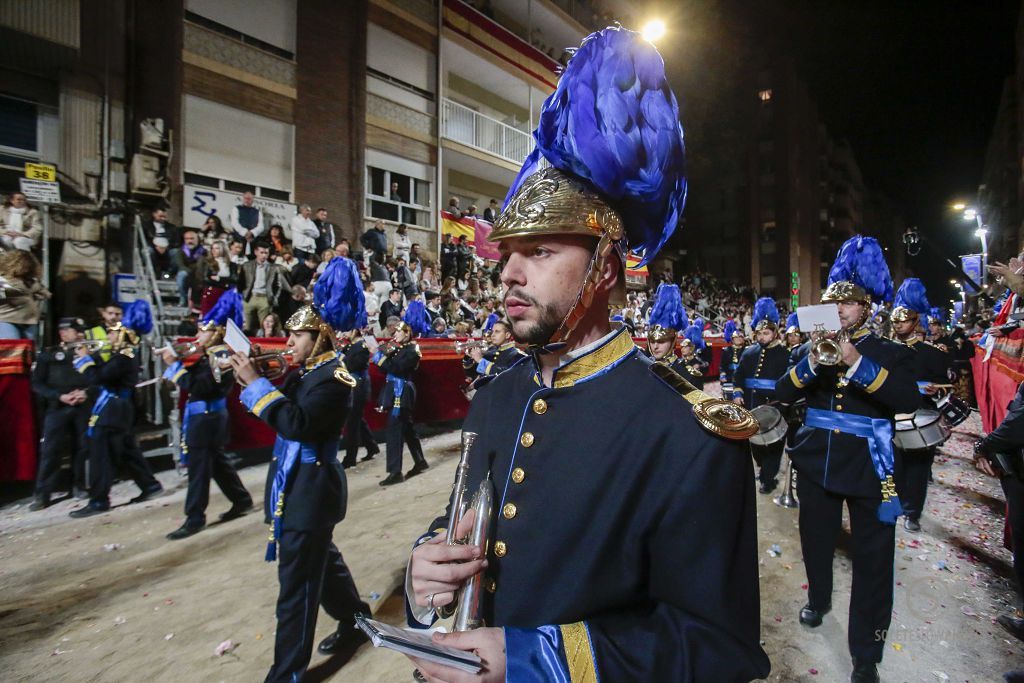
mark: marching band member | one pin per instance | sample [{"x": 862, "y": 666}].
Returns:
[
  {"x": 937, "y": 332},
  {"x": 666, "y": 321},
  {"x": 109, "y": 435},
  {"x": 794, "y": 338},
  {"x": 204, "y": 427},
  {"x": 356, "y": 359},
  {"x": 500, "y": 356},
  {"x": 730, "y": 358},
  {"x": 843, "y": 452},
  {"x": 760, "y": 367},
  {"x": 398, "y": 397},
  {"x": 690, "y": 365},
  {"x": 656, "y": 571},
  {"x": 932, "y": 365},
  {"x": 306, "y": 490}
]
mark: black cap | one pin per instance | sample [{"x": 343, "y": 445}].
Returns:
[{"x": 74, "y": 323}]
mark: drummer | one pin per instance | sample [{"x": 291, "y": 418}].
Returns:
[
  {"x": 759, "y": 368},
  {"x": 730, "y": 360},
  {"x": 932, "y": 368}
]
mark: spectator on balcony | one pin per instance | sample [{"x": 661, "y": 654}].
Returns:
[
  {"x": 453, "y": 207},
  {"x": 246, "y": 221},
  {"x": 403, "y": 244},
  {"x": 395, "y": 197},
  {"x": 471, "y": 212},
  {"x": 236, "y": 251},
  {"x": 158, "y": 226},
  {"x": 304, "y": 232},
  {"x": 20, "y": 293},
  {"x": 188, "y": 258},
  {"x": 375, "y": 240},
  {"x": 164, "y": 264},
  {"x": 326, "y": 239},
  {"x": 277, "y": 239},
  {"x": 449, "y": 256},
  {"x": 391, "y": 308},
  {"x": 215, "y": 274},
  {"x": 20, "y": 226},
  {"x": 491, "y": 213},
  {"x": 343, "y": 248},
  {"x": 212, "y": 230},
  {"x": 261, "y": 284}
]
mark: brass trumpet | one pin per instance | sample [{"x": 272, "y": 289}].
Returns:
[
  {"x": 270, "y": 365},
  {"x": 827, "y": 349},
  {"x": 463, "y": 347},
  {"x": 181, "y": 350},
  {"x": 91, "y": 345}
]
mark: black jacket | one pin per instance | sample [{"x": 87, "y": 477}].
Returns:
[
  {"x": 729, "y": 362},
  {"x": 758, "y": 362},
  {"x": 54, "y": 374},
  {"x": 401, "y": 362},
  {"x": 356, "y": 359},
  {"x": 208, "y": 429},
  {"x": 387, "y": 309},
  {"x": 692, "y": 369},
  {"x": 118, "y": 375}
]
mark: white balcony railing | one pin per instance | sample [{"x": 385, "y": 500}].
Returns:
[{"x": 471, "y": 128}]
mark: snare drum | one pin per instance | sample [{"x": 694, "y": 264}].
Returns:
[
  {"x": 771, "y": 427},
  {"x": 920, "y": 430},
  {"x": 953, "y": 409}
]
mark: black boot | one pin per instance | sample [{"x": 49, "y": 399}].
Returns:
[
  {"x": 185, "y": 530},
  {"x": 391, "y": 479},
  {"x": 40, "y": 502},
  {"x": 370, "y": 455},
  {"x": 347, "y": 464},
  {"x": 419, "y": 466},
  {"x": 809, "y": 616},
  {"x": 911, "y": 524},
  {"x": 345, "y": 639},
  {"x": 236, "y": 511},
  {"x": 148, "y": 494},
  {"x": 864, "y": 672},
  {"x": 89, "y": 510}
]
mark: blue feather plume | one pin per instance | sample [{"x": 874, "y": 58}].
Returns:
[
  {"x": 699, "y": 322},
  {"x": 614, "y": 121},
  {"x": 668, "y": 310},
  {"x": 937, "y": 314},
  {"x": 138, "y": 317},
  {"x": 728, "y": 329},
  {"x": 695, "y": 333},
  {"x": 861, "y": 261},
  {"x": 793, "y": 320},
  {"x": 228, "y": 307},
  {"x": 764, "y": 309},
  {"x": 911, "y": 295},
  {"x": 417, "y": 318},
  {"x": 338, "y": 296}
]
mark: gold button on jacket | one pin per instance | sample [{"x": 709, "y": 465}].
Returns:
[
  {"x": 500, "y": 549},
  {"x": 526, "y": 439},
  {"x": 540, "y": 406},
  {"x": 509, "y": 510},
  {"x": 518, "y": 474}
]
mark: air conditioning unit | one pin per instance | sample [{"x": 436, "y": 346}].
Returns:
[
  {"x": 147, "y": 177},
  {"x": 152, "y": 138}
]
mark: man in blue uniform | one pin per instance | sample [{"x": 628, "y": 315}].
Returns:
[
  {"x": 204, "y": 427},
  {"x": 843, "y": 452},
  {"x": 499, "y": 357},
  {"x": 932, "y": 366},
  {"x": 356, "y": 359},
  {"x": 794, "y": 338},
  {"x": 306, "y": 493},
  {"x": 609, "y": 464},
  {"x": 754, "y": 384},
  {"x": 109, "y": 435},
  {"x": 691, "y": 365},
  {"x": 730, "y": 359}
]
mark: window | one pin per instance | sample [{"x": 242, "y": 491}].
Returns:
[
  {"x": 233, "y": 186},
  {"x": 768, "y": 284},
  {"x": 765, "y": 95},
  {"x": 396, "y": 197},
  {"x": 18, "y": 129}
]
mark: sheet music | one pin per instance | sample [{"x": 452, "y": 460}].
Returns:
[
  {"x": 371, "y": 343},
  {"x": 826, "y": 315},
  {"x": 418, "y": 643},
  {"x": 236, "y": 339}
]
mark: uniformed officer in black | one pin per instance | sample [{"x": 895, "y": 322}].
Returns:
[
  {"x": 356, "y": 359},
  {"x": 68, "y": 406},
  {"x": 109, "y": 435},
  {"x": 730, "y": 358},
  {"x": 615, "y": 487},
  {"x": 498, "y": 357},
  {"x": 306, "y": 492},
  {"x": 399, "y": 360},
  {"x": 761, "y": 365},
  {"x": 932, "y": 366},
  {"x": 205, "y": 427},
  {"x": 843, "y": 452}
]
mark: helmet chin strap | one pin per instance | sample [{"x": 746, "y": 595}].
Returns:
[{"x": 585, "y": 295}]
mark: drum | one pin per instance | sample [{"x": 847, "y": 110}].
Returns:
[
  {"x": 920, "y": 430},
  {"x": 771, "y": 426},
  {"x": 953, "y": 409}
]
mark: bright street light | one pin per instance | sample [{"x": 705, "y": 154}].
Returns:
[
  {"x": 959, "y": 206},
  {"x": 980, "y": 232},
  {"x": 970, "y": 214},
  {"x": 653, "y": 30}
]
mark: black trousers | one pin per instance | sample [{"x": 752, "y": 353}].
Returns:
[
  {"x": 108, "y": 448},
  {"x": 64, "y": 429},
  {"x": 402, "y": 430},
  {"x": 357, "y": 431},
  {"x": 872, "y": 548},
  {"x": 1013, "y": 489},
  {"x": 768, "y": 459},
  {"x": 311, "y": 572},
  {"x": 912, "y": 471},
  {"x": 205, "y": 464}
]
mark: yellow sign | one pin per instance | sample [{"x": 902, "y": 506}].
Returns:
[{"x": 40, "y": 172}]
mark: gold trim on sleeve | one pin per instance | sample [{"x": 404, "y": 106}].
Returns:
[{"x": 578, "y": 653}]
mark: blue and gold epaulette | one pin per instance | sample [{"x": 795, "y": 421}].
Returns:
[{"x": 720, "y": 417}]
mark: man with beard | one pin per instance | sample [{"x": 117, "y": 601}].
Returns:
[
  {"x": 499, "y": 357},
  {"x": 754, "y": 384},
  {"x": 843, "y": 452},
  {"x": 651, "y": 582}
]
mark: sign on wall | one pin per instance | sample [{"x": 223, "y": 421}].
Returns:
[{"x": 202, "y": 202}]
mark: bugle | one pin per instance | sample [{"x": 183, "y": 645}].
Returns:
[
  {"x": 826, "y": 345},
  {"x": 91, "y": 345},
  {"x": 269, "y": 365}
]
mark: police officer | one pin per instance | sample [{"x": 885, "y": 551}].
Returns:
[
  {"x": 932, "y": 366},
  {"x": 67, "y": 414},
  {"x": 587, "y": 409},
  {"x": 843, "y": 452},
  {"x": 691, "y": 365},
  {"x": 499, "y": 356},
  {"x": 399, "y": 361},
  {"x": 356, "y": 359},
  {"x": 109, "y": 436},
  {"x": 205, "y": 425},
  {"x": 306, "y": 489},
  {"x": 730, "y": 359}
]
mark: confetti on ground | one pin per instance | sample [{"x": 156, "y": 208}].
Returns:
[
  {"x": 775, "y": 550},
  {"x": 168, "y": 636},
  {"x": 119, "y": 620},
  {"x": 111, "y": 547},
  {"x": 225, "y": 647}
]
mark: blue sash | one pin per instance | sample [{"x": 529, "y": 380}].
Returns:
[
  {"x": 288, "y": 455},
  {"x": 878, "y": 432},
  {"x": 102, "y": 402},
  {"x": 398, "y": 385},
  {"x": 758, "y": 383},
  {"x": 197, "y": 408}
]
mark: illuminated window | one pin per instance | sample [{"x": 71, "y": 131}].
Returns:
[{"x": 764, "y": 95}]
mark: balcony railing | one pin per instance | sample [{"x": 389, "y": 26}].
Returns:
[{"x": 473, "y": 129}]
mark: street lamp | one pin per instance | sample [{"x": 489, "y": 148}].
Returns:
[
  {"x": 653, "y": 30},
  {"x": 972, "y": 214}
]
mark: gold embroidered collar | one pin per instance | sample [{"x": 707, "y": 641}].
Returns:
[{"x": 587, "y": 365}]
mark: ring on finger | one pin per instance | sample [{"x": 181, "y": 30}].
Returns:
[{"x": 430, "y": 601}]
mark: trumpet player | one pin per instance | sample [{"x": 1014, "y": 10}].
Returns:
[
  {"x": 932, "y": 366},
  {"x": 760, "y": 367},
  {"x": 305, "y": 495},
  {"x": 109, "y": 434},
  {"x": 356, "y": 359},
  {"x": 624, "y": 523},
  {"x": 843, "y": 451},
  {"x": 204, "y": 427},
  {"x": 400, "y": 361},
  {"x": 498, "y": 357}
]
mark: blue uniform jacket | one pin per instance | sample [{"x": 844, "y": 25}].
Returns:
[{"x": 759, "y": 368}]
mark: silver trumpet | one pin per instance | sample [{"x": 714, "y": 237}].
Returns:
[
  {"x": 787, "y": 499},
  {"x": 825, "y": 347},
  {"x": 467, "y": 604},
  {"x": 463, "y": 347}
]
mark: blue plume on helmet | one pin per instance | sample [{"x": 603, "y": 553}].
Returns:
[
  {"x": 937, "y": 315},
  {"x": 417, "y": 318},
  {"x": 668, "y": 311},
  {"x": 861, "y": 261},
  {"x": 338, "y": 296},
  {"x": 695, "y": 333},
  {"x": 138, "y": 317},
  {"x": 764, "y": 309},
  {"x": 792, "y": 320},
  {"x": 911, "y": 295},
  {"x": 699, "y": 322},
  {"x": 728, "y": 329},
  {"x": 614, "y": 122},
  {"x": 228, "y": 307}
]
